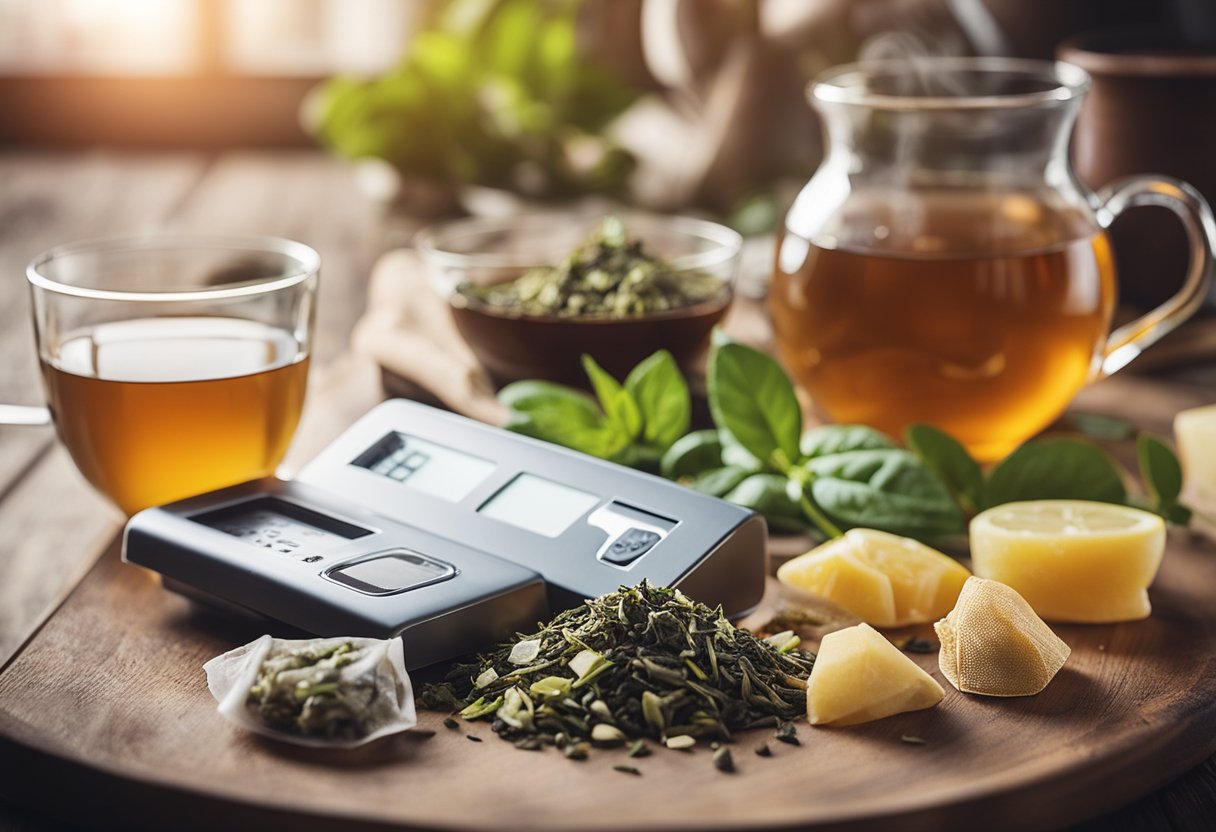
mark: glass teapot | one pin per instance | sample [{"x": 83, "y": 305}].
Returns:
[{"x": 944, "y": 265}]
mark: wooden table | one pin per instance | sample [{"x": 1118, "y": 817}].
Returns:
[{"x": 54, "y": 527}]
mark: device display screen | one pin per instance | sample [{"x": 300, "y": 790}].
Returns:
[
  {"x": 282, "y": 527},
  {"x": 538, "y": 505},
  {"x": 433, "y": 469}
]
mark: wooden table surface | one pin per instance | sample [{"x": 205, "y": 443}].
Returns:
[{"x": 53, "y": 527}]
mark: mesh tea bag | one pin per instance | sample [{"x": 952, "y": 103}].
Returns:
[
  {"x": 994, "y": 644},
  {"x": 331, "y": 692}
]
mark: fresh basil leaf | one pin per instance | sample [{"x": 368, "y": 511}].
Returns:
[
  {"x": 883, "y": 489},
  {"x": 735, "y": 454},
  {"x": 719, "y": 481},
  {"x": 946, "y": 457},
  {"x": 561, "y": 415},
  {"x": 692, "y": 454},
  {"x": 836, "y": 439},
  {"x": 769, "y": 494},
  {"x": 1100, "y": 426},
  {"x": 661, "y": 394},
  {"x": 1055, "y": 469},
  {"x": 1160, "y": 469},
  {"x": 559, "y": 426},
  {"x": 618, "y": 403},
  {"x": 751, "y": 397}
]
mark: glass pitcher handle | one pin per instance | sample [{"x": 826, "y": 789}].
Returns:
[{"x": 1129, "y": 340}]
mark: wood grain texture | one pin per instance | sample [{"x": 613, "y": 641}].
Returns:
[
  {"x": 51, "y": 522},
  {"x": 111, "y": 690}
]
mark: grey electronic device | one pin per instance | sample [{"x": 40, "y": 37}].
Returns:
[{"x": 449, "y": 532}]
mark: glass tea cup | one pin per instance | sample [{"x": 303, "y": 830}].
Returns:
[
  {"x": 173, "y": 365},
  {"x": 945, "y": 266}
]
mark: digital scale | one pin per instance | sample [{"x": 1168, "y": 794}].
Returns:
[{"x": 448, "y": 532}]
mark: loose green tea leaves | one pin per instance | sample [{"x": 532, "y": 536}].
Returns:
[
  {"x": 472, "y": 738},
  {"x": 639, "y": 749},
  {"x": 640, "y": 662},
  {"x": 451, "y": 724},
  {"x": 301, "y": 691},
  {"x": 787, "y": 733},
  {"x": 610, "y": 275},
  {"x": 762, "y": 750},
  {"x": 911, "y": 740},
  {"x": 723, "y": 761},
  {"x": 627, "y": 770},
  {"x": 916, "y": 644}
]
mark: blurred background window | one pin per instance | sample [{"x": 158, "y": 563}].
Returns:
[{"x": 310, "y": 38}]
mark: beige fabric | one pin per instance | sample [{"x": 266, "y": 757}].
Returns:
[{"x": 408, "y": 331}]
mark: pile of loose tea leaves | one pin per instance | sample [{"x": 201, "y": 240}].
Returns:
[
  {"x": 641, "y": 662},
  {"x": 611, "y": 274},
  {"x": 301, "y": 691}
]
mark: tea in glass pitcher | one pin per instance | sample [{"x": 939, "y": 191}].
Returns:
[{"x": 944, "y": 266}]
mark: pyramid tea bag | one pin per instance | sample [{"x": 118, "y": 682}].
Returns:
[{"x": 994, "y": 644}]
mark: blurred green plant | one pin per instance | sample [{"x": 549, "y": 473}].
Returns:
[{"x": 491, "y": 92}]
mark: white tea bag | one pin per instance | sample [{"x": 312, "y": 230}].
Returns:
[{"x": 325, "y": 692}]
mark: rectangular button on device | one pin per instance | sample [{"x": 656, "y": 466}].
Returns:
[{"x": 630, "y": 546}]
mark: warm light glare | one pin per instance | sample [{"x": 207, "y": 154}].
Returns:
[{"x": 99, "y": 36}]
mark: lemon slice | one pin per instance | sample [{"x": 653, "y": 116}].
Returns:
[
  {"x": 1071, "y": 560},
  {"x": 883, "y": 579}
]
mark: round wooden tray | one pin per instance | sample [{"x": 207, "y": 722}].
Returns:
[{"x": 105, "y": 714}]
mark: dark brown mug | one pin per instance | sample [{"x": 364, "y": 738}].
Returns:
[{"x": 1152, "y": 107}]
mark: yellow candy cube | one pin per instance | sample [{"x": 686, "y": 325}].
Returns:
[{"x": 883, "y": 579}]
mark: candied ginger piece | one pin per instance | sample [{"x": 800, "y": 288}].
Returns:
[
  {"x": 859, "y": 676},
  {"x": 884, "y": 579},
  {"x": 994, "y": 644}
]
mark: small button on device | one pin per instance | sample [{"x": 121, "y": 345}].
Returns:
[{"x": 630, "y": 546}]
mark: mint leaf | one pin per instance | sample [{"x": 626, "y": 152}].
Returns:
[
  {"x": 769, "y": 494},
  {"x": 836, "y": 439},
  {"x": 692, "y": 454},
  {"x": 1162, "y": 474},
  {"x": 751, "y": 397},
  {"x": 661, "y": 394},
  {"x": 561, "y": 415},
  {"x": 946, "y": 457},
  {"x": 1055, "y": 469},
  {"x": 886, "y": 489},
  {"x": 718, "y": 481},
  {"x": 619, "y": 406}
]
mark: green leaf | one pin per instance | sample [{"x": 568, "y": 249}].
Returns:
[
  {"x": 718, "y": 481},
  {"x": 946, "y": 457},
  {"x": 1055, "y": 469},
  {"x": 751, "y": 397},
  {"x": 1160, "y": 468},
  {"x": 769, "y": 494},
  {"x": 692, "y": 454},
  {"x": 836, "y": 439},
  {"x": 561, "y": 415},
  {"x": 883, "y": 489},
  {"x": 1100, "y": 426},
  {"x": 661, "y": 394},
  {"x": 618, "y": 403},
  {"x": 1162, "y": 474}
]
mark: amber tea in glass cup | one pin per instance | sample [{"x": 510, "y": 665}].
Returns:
[
  {"x": 174, "y": 366},
  {"x": 945, "y": 266}
]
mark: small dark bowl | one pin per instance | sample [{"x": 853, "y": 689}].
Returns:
[{"x": 482, "y": 252}]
